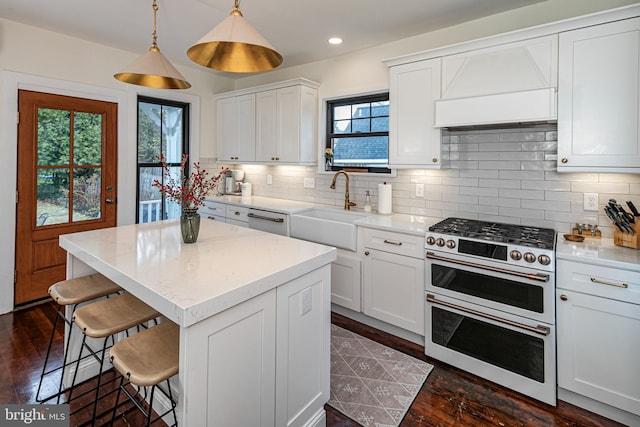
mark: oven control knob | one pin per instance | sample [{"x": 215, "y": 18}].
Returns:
[
  {"x": 440, "y": 242},
  {"x": 544, "y": 260},
  {"x": 515, "y": 255},
  {"x": 529, "y": 257},
  {"x": 431, "y": 240},
  {"x": 451, "y": 244}
]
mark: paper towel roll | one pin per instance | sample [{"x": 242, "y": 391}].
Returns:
[
  {"x": 384, "y": 198},
  {"x": 245, "y": 189}
]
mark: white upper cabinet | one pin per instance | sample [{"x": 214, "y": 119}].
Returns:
[
  {"x": 512, "y": 82},
  {"x": 413, "y": 141},
  {"x": 275, "y": 123},
  {"x": 599, "y": 97},
  {"x": 236, "y": 129}
]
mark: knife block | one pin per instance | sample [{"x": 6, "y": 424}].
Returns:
[{"x": 627, "y": 240}]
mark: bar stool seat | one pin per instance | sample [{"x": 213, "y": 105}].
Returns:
[
  {"x": 69, "y": 293},
  {"x": 147, "y": 359},
  {"x": 103, "y": 319}
]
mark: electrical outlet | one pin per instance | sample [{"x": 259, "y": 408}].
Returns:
[
  {"x": 590, "y": 201},
  {"x": 419, "y": 190},
  {"x": 309, "y": 183},
  {"x": 269, "y": 179}
]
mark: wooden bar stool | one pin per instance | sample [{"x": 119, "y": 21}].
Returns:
[
  {"x": 147, "y": 359},
  {"x": 68, "y": 294},
  {"x": 104, "y": 319}
]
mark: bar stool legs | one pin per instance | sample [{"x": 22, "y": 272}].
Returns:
[
  {"x": 68, "y": 294},
  {"x": 148, "y": 359}
]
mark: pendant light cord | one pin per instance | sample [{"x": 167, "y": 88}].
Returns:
[{"x": 154, "y": 37}]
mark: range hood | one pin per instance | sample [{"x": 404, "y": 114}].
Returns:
[
  {"x": 510, "y": 83},
  {"x": 538, "y": 105}
]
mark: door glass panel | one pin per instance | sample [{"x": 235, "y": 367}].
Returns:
[
  {"x": 150, "y": 199},
  {"x": 87, "y": 138},
  {"x": 87, "y": 184},
  {"x": 516, "y": 294},
  {"x": 52, "y": 196},
  {"x": 510, "y": 350},
  {"x": 172, "y": 133},
  {"x": 149, "y": 132},
  {"x": 53, "y": 137}
]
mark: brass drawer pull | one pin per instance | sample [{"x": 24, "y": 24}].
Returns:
[
  {"x": 602, "y": 282},
  {"x": 391, "y": 242}
]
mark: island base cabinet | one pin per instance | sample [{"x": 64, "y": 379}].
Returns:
[
  {"x": 261, "y": 363},
  {"x": 598, "y": 348},
  {"x": 232, "y": 373},
  {"x": 345, "y": 280}
]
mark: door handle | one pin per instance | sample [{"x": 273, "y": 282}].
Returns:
[{"x": 110, "y": 201}]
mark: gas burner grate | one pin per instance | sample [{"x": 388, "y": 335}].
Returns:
[{"x": 497, "y": 232}]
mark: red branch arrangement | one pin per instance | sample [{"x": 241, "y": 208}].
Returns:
[{"x": 188, "y": 192}]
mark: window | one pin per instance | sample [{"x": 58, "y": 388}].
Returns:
[
  {"x": 162, "y": 131},
  {"x": 358, "y": 134}
]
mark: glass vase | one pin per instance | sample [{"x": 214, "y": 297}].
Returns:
[{"x": 190, "y": 224}]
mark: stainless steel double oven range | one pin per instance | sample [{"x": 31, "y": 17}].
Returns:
[{"x": 490, "y": 304}]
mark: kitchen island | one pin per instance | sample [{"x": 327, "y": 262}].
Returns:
[{"x": 253, "y": 310}]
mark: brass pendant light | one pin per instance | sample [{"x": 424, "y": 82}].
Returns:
[
  {"x": 152, "y": 69},
  {"x": 235, "y": 46}
]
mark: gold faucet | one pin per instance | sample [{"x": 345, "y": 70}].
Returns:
[{"x": 347, "y": 203}]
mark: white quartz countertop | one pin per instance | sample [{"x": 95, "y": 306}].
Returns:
[
  {"x": 598, "y": 252},
  {"x": 190, "y": 282}
]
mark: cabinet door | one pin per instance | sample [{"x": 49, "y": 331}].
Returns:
[
  {"x": 266, "y": 126},
  {"x": 226, "y": 128},
  {"x": 245, "y": 122},
  {"x": 599, "y": 97},
  {"x": 345, "y": 280},
  {"x": 393, "y": 289},
  {"x": 413, "y": 141},
  {"x": 288, "y": 124},
  {"x": 598, "y": 348}
]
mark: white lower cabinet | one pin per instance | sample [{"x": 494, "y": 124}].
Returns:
[
  {"x": 213, "y": 211},
  {"x": 236, "y": 215},
  {"x": 345, "y": 280},
  {"x": 393, "y": 287},
  {"x": 598, "y": 333}
]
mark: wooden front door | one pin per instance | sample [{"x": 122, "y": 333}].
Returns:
[{"x": 66, "y": 182}]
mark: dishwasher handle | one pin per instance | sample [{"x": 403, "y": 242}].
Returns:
[{"x": 266, "y": 218}]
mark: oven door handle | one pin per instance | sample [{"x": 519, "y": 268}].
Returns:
[
  {"x": 540, "y": 330},
  {"x": 537, "y": 276}
]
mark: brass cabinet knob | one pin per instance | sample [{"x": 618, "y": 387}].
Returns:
[
  {"x": 434, "y": 160},
  {"x": 366, "y": 253},
  {"x": 564, "y": 160},
  {"x": 563, "y": 297}
]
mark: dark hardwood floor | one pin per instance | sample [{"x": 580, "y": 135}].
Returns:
[{"x": 449, "y": 397}]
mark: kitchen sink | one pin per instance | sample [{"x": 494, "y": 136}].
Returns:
[{"x": 327, "y": 226}]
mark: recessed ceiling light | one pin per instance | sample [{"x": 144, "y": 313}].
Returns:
[{"x": 335, "y": 40}]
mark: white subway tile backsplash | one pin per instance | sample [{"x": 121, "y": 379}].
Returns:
[{"x": 504, "y": 175}]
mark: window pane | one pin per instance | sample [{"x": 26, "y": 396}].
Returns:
[
  {"x": 172, "y": 133},
  {"x": 86, "y": 194},
  {"x": 87, "y": 139},
  {"x": 149, "y": 132},
  {"x": 380, "y": 124},
  {"x": 361, "y": 110},
  {"x": 360, "y": 125},
  {"x": 52, "y": 196},
  {"x": 365, "y": 151},
  {"x": 53, "y": 137},
  {"x": 342, "y": 126},
  {"x": 150, "y": 199},
  {"x": 380, "y": 108},
  {"x": 342, "y": 113}
]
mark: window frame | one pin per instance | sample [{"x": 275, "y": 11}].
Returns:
[
  {"x": 329, "y": 135},
  {"x": 186, "y": 108}
]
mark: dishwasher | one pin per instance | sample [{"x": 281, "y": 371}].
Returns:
[{"x": 271, "y": 222}]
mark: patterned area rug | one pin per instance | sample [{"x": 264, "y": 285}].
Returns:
[{"x": 372, "y": 383}]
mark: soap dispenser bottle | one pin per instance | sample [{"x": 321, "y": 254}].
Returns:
[{"x": 367, "y": 201}]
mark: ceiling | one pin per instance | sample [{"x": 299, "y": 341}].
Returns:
[{"x": 297, "y": 29}]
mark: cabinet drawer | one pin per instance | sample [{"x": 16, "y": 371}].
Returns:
[
  {"x": 236, "y": 213},
  {"x": 401, "y": 244},
  {"x": 613, "y": 283},
  {"x": 212, "y": 208}
]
